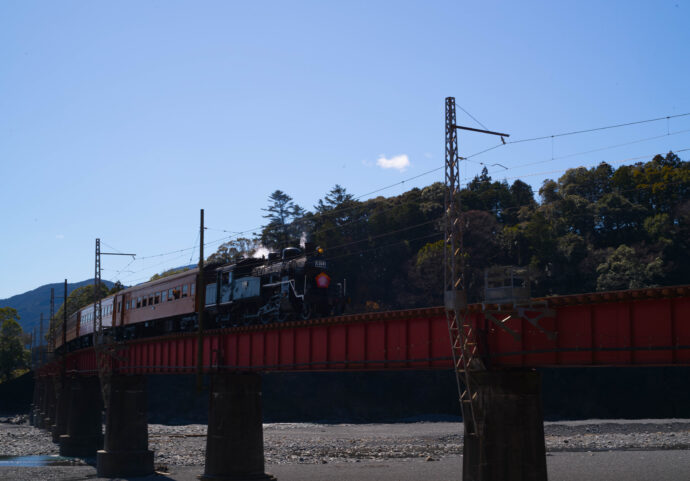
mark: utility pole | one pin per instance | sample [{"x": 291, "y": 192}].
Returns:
[
  {"x": 462, "y": 334},
  {"x": 97, "y": 318},
  {"x": 201, "y": 300},
  {"x": 33, "y": 349},
  {"x": 64, "y": 332},
  {"x": 51, "y": 323},
  {"x": 41, "y": 352},
  {"x": 103, "y": 358}
]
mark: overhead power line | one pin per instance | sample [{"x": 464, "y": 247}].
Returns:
[
  {"x": 472, "y": 116},
  {"x": 235, "y": 234},
  {"x": 600, "y": 149},
  {"x": 606, "y": 127}
]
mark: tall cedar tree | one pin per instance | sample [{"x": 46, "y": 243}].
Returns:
[{"x": 285, "y": 225}]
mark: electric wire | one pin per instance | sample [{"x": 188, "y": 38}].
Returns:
[
  {"x": 600, "y": 149},
  {"x": 384, "y": 234},
  {"x": 369, "y": 238},
  {"x": 111, "y": 247},
  {"x": 387, "y": 209},
  {"x": 507, "y": 143},
  {"x": 619, "y": 161},
  {"x": 596, "y": 129},
  {"x": 194, "y": 247},
  {"x": 235, "y": 234},
  {"x": 472, "y": 116},
  {"x": 371, "y": 249}
]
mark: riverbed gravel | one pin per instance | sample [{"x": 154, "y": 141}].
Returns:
[{"x": 292, "y": 443}]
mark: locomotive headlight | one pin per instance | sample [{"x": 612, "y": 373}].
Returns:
[
  {"x": 319, "y": 250},
  {"x": 323, "y": 281}
]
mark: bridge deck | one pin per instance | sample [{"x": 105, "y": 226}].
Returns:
[{"x": 636, "y": 327}]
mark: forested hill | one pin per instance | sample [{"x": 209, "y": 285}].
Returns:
[
  {"x": 31, "y": 304},
  {"x": 591, "y": 229}
]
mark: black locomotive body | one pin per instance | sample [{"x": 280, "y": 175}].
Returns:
[{"x": 294, "y": 284}]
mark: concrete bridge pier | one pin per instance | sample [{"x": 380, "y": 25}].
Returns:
[
  {"x": 61, "y": 409},
  {"x": 126, "y": 452},
  {"x": 510, "y": 427},
  {"x": 84, "y": 418},
  {"x": 234, "y": 442},
  {"x": 49, "y": 404},
  {"x": 34, "y": 406},
  {"x": 38, "y": 414}
]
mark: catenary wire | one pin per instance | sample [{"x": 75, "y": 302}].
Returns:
[
  {"x": 235, "y": 233},
  {"x": 392, "y": 207},
  {"x": 471, "y": 116},
  {"x": 596, "y": 129}
]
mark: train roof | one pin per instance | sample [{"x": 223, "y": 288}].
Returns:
[
  {"x": 104, "y": 300},
  {"x": 162, "y": 280}
]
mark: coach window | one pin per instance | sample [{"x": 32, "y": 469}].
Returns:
[
  {"x": 163, "y": 296},
  {"x": 119, "y": 306},
  {"x": 170, "y": 294},
  {"x": 156, "y": 297},
  {"x": 184, "y": 290},
  {"x": 193, "y": 284},
  {"x": 151, "y": 300},
  {"x": 176, "y": 292},
  {"x": 126, "y": 305},
  {"x": 138, "y": 302}
]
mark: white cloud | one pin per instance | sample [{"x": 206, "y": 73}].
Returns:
[{"x": 399, "y": 162}]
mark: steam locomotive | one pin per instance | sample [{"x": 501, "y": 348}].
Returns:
[{"x": 290, "y": 285}]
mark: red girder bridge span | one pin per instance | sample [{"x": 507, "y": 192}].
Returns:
[{"x": 622, "y": 328}]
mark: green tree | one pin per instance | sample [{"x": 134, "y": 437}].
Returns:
[
  {"x": 625, "y": 268},
  {"x": 590, "y": 184},
  {"x": 77, "y": 299},
  {"x": 117, "y": 287},
  {"x": 336, "y": 203},
  {"x": 483, "y": 194},
  {"x": 426, "y": 274},
  {"x": 168, "y": 273},
  {"x": 230, "y": 251},
  {"x": 284, "y": 226},
  {"x": 13, "y": 355},
  {"x": 338, "y": 226},
  {"x": 618, "y": 219},
  {"x": 481, "y": 242}
]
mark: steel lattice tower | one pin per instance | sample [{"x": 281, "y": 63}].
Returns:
[{"x": 462, "y": 338}]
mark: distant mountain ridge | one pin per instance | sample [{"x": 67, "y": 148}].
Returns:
[{"x": 31, "y": 304}]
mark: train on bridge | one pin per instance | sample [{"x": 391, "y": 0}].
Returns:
[{"x": 292, "y": 284}]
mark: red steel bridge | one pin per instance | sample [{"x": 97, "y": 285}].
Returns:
[
  {"x": 621, "y": 328},
  {"x": 504, "y": 436}
]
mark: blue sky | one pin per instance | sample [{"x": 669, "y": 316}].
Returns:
[{"x": 121, "y": 120}]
